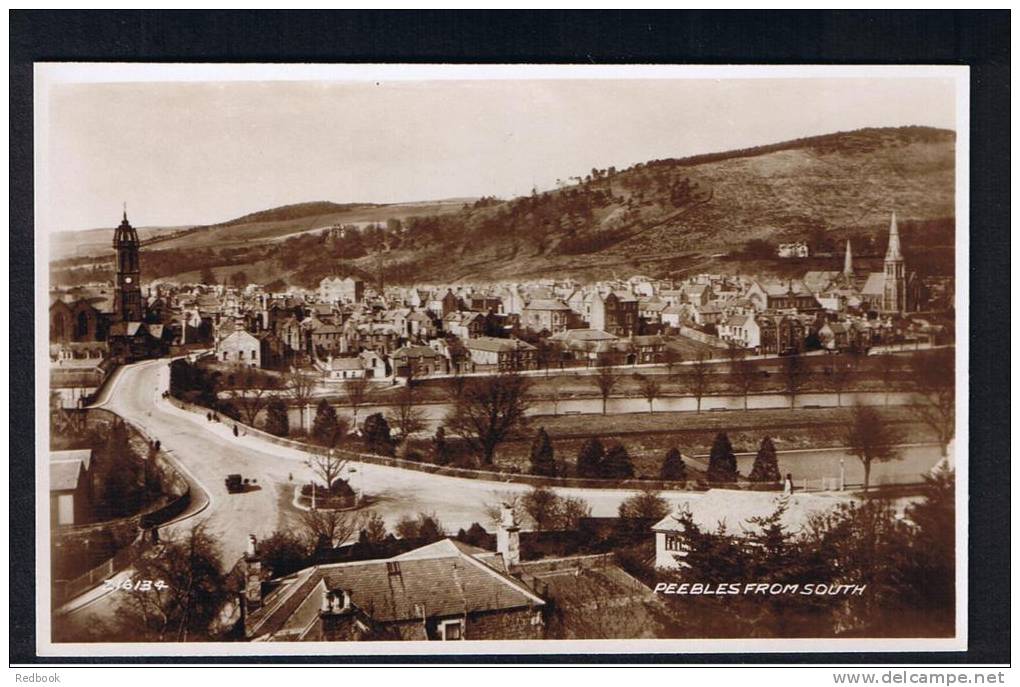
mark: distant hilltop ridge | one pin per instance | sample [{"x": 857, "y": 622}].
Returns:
[{"x": 654, "y": 217}]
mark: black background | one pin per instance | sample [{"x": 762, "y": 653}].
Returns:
[{"x": 976, "y": 38}]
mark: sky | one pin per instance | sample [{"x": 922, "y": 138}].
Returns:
[{"x": 198, "y": 153}]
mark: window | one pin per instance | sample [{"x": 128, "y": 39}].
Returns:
[
  {"x": 253, "y": 356},
  {"x": 452, "y": 630},
  {"x": 674, "y": 543}
]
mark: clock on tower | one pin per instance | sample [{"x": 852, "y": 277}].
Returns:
[{"x": 128, "y": 296}]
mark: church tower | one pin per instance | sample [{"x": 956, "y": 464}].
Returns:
[
  {"x": 848, "y": 261},
  {"x": 127, "y": 303},
  {"x": 894, "y": 298}
]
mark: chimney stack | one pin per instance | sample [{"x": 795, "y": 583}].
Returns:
[
  {"x": 508, "y": 537},
  {"x": 252, "y": 574}
]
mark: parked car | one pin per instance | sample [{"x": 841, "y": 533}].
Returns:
[{"x": 235, "y": 484}]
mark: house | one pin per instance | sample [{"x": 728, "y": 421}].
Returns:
[
  {"x": 348, "y": 290},
  {"x": 464, "y": 324},
  {"x": 488, "y": 352},
  {"x": 614, "y": 313},
  {"x": 740, "y": 329},
  {"x": 649, "y": 348},
  {"x": 417, "y": 361},
  {"x": 130, "y": 341},
  {"x": 791, "y": 295},
  {"x": 70, "y": 487},
  {"x": 373, "y": 365},
  {"x": 445, "y": 591},
  {"x": 798, "y": 249},
  {"x": 241, "y": 348},
  {"x": 340, "y": 369},
  {"x": 546, "y": 314},
  {"x": 737, "y": 509}
]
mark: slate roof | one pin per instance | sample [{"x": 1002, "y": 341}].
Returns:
[
  {"x": 736, "y": 508},
  {"x": 546, "y": 304},
  {"x": 493, "y": 344},
  {"x": 583, "y": 335},
  {"x": 442, "y": 579},
  {"x": 66, "y": 468}
]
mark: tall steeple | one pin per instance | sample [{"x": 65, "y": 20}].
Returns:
[
  {"x": 894, "y": 297},
  {"x": 893, "y": 251},
  {"x": 848, "y": 261}
]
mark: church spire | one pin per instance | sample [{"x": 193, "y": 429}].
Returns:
[
  {"x": 125, "y": 211},
  {"x": 848, "y": 261},
  {"x": 893, "y": 252}
]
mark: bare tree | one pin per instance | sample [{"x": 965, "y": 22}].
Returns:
[
  {"x": 333, "y": 526},
  {"x": 490, "y": 410},
  {"x": 300, "y": 388},
  {"x": 795, "y": 375},
  {"x": 745, "y": 376},
  {"x": 251, "y": 392},
  {"x": 650, "y": 389},
  {"x": 888, "y": 365},
  {"x": 327, "y": 465},
  {"x": 842, "y": 374},
  {"x": 406, "y": 415},
  {"x": 180, "y": 591},
  {"x": 357, "y": 392},
  {"x": 494, "y": 510},
  {"x": 935, "y": 381},
  {"x": 870, "y": 439},
  {"x": 605, "y": 380},
  {"x": 696, "y": 378}
]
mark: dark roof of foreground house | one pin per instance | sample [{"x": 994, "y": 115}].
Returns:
[{"x": 447, "y": 578}]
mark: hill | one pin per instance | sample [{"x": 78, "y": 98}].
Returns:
[{"x": 668, "y": 216}]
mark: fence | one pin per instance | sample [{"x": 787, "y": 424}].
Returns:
[
  {"x": 450, "y": 471},
  {"x": 64, "y": 590}
]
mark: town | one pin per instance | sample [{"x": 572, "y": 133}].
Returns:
[{"x": 486, "y": 461}]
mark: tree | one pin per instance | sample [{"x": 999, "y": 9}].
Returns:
[
  {"x": 251, "y": 393},
  {"x": 327, "y": 428},
  {"x": 935, "y": 382},
  {"x": 541, "y": 505},
  {"x": 795, "y": 375},
  {"x": 284, "y": 553},
  {"x": 356, "y": 392},
  {"x": 440, "y": 450},
  {"x": 870, "y": 439},
  {"x": 332, "y": 528},
  {"x": 490, "y": 410},
  {"x": 327, "y": 465},
  {"x": 207, "y": 276},
  {"x": 766, "y": 464},
  {"x": 373, "y": 531},
  {"x": 406, "y": 415},
  {"x": 617, "y": 463},
  {"x": 745, "y": 375},
  {"x": 842, "y": 373},
  {"x": 888, "y": 365},
  {"x": 300, "y": 388},
  {"x": 191, "y": 594},
  {"x": 277, "y": 422},
  {"x": 376, "y": 432},
  {"x": 605, "y": 380},
  {"x": 696, "y": 378},
  {"x": 571, "y": 511},
  {"x": 426, "y": 528},
  {"x": 722, "y": 462},
  {"x": 673, "y": 468},
  {"x": 589, "y": 458},
  {"x": 646, "y": 504},
  {"x": 650, "y": 389},
  {"x": 542, "y": 460}
]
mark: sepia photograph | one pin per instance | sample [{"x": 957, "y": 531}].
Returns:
[{"x": 349, "y": 359}]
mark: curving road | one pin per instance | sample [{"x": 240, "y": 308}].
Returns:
[{"x": 207, "y": 451}]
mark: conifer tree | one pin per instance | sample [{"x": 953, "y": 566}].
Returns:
[
  {"x": 542, "y": 460},
  {"x": 766, "y": 464},
  {"x": 722, "y": 462}
]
